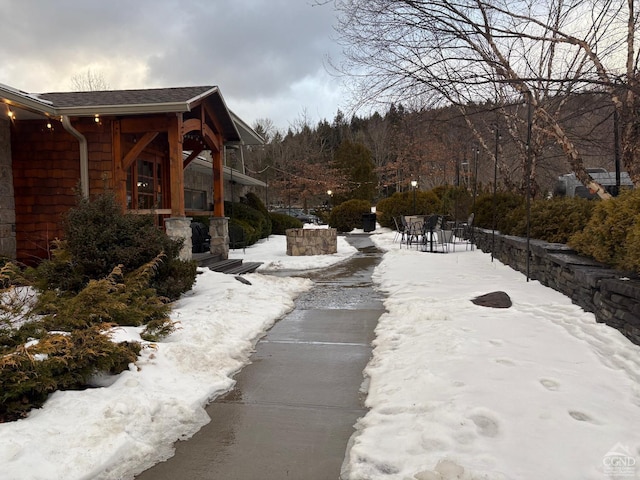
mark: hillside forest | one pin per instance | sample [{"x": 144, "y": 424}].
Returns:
[{"x": 475, "y": 146}]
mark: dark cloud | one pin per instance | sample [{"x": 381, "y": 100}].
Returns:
[{"x": 265, "y": 53}]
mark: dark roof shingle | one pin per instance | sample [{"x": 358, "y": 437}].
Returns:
[{"x": 124, "y": 97}]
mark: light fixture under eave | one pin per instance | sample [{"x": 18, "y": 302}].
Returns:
[
  {"x": 10, "y": 114},
  {"x": 96, "y": 118}
]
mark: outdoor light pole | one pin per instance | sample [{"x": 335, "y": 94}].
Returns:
[
  {"x": 495, "y": 191},
  {"x": 329, "y": 192},
  {"x": 475, "y": 179},
  {"x": 414, "y": 185}
]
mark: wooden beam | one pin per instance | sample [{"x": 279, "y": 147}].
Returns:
[
  {"x": 176, "y": 170},
  {"x": 210, "y": 113},
  {"x": 137, "y": 149},
  {"x": 191, "y": 157},
  {"x": 191, "y": 125},
  {"x": 218, "y": 184},
  {"x": 144, "y": 124},
  {"x": 119, "y": 174},
  {"x": 213, "y": 141}
]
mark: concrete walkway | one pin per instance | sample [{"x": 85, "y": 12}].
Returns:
[{"x": 293, "y": 408}]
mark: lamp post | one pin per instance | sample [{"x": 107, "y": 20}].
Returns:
[
  {"x": 495, "y": 191},
  {"x": 414, "y": 185},
  {"x": 475, "y": 179},
  {"x": 329, "y": 192}
]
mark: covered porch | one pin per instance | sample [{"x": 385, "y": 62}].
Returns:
[{"x": 135, "y": 143}]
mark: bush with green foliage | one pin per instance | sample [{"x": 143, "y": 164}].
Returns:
[
  {"x": 68, "y": 340},
  {"x": 119, "y": 299},
  {"x": 509, "y": 210},
  {"x": 253, "y": 223},
  {"x": 612, "y": 235},
  {"x": 348, "y": 215},
  {"x": 242, "y": 233},
  {"x": 252, "y": 200},
  {"x": 99, "y": 236},
  {"x": 456, "y": 202},
  {"x": 58, "y": 361},
  {"x": 401, "y": 203},
  {"x": 60, "y": 339},
  {"x": 553, "y": 220},
  {"x": 281, "y": 222}
]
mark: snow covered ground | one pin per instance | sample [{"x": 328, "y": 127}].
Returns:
[
  {"x": 459, "y": 391},
  {"x": 120, "y": 430},
  {"x": 455, "y": 391}
]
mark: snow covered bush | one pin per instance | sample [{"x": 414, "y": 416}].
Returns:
[{"x": 58, "y": 361}]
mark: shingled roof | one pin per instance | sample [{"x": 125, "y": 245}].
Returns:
[
  {"x": 152, "y": 96},
  {"x": 127, "y": 102}
]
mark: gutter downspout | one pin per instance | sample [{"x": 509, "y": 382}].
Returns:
[{"x": 84, "y": 155}]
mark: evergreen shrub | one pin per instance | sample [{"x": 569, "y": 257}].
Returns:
[
  {"x": 58, "y": 361},
  {"x": 60, "y": 339},
  {"x": 509, "y": 207},
  {"x": 242, "y": 233},
  {"x": 117, "y": 299},
  {"x": 554, "y": 220},
  {"x": 348, "y": 215},
  {"x": 401, "y": 203},
  {"x": 281, "y": 222},
  {"x": 612, "y": 235},
  {"x": 254, "y": 202},
  {"x": 456, "y": 202},
  {"x": 244, "y": 215},
  {"x": 99, "y": 236}
]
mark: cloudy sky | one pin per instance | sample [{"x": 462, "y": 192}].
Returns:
[{"x": 268, "y": 57}]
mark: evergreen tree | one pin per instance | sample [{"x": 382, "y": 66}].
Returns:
[{"x": 355, "y": 163}]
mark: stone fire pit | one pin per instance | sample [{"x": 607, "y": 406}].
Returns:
[{"x": 311, "y": 241}]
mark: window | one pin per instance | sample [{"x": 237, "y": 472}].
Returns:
[
  {"x": 195, "y": 200},
  {"x": 144, "y": 185}
]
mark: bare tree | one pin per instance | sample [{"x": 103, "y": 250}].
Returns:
[
  {"x": 89, "y": 82},
  {"x": 465, "y": 51}
]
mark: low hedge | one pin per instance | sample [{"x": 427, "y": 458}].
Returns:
[
  {"x": 281, "y": 222},
  {"x": 243, "y": 214},
  {"x": 612, "y": 234},
  {"x": 348, "y": 215},
  {"x": 555, "y": 220},
  {"x": 401, "y": 203},
  {"x": 253, "y": 201},
  {"x": 242, "y": 233}
]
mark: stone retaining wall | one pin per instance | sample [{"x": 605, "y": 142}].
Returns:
[
  {"x": 613, "y": 296},
  {"x": 311, "y": 241}
]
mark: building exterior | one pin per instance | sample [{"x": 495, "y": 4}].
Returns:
[
  {"x": 568, "y": 185},
  {"x": 135, "y": 143}
]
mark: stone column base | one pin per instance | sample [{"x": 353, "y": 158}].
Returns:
[
  {"x": 311, "y": 241},
  {"x": 180, "y": 228},
  {"x": 219, "y": 231}
]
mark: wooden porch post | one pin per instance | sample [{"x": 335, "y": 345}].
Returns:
[
  {"x": 119, "y": 174},
  {"x": 176, "y": 168},
  {"x": 218, "y": 183}
]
